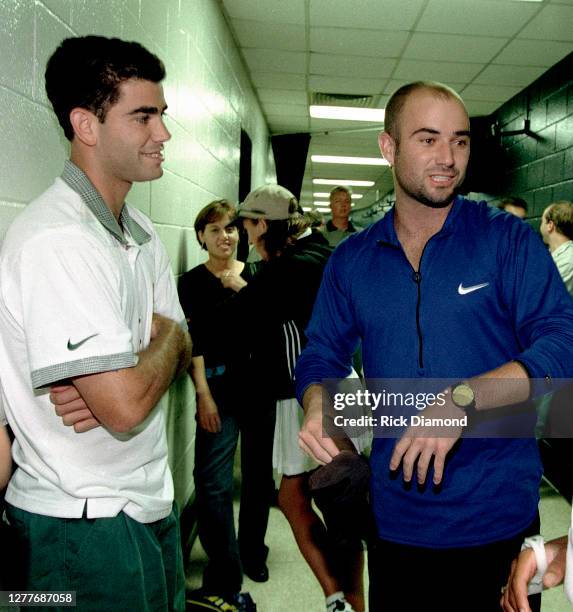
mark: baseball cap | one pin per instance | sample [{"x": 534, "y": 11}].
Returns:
[{"x": 271, "y": 202}]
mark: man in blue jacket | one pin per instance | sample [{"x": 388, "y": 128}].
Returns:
[{"x": 448, "y": 289}]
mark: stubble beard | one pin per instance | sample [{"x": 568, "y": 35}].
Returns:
[{"x": 419, "y": 194}]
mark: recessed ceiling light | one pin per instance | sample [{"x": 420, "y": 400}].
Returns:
[
  {"x": 347, "y": 113},
  {"x": 325, "y": 194},
  {"x": 349, "y": 182},
  {"x": 343, "y": 159}
]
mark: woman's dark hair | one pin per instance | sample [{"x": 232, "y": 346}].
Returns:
[
  {"x": 86, "y": 72},
  {"x": 211, "y": 214}
]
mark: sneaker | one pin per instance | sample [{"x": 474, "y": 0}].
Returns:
[
  {"x": 244, "y": 603},
  {"x": 199, "y": 601},
  {"x": 339, "y": 605}
]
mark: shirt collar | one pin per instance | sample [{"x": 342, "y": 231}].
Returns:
[
  {"x": 330, "y": 227},
  {"x": 562, "y": 248},
  {"x": 77, "y": 180}
]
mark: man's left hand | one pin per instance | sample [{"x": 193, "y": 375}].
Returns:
[{"x": 422, "y": 443}]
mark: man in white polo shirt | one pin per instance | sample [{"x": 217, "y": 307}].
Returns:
[{"x": 87, "y": 298}]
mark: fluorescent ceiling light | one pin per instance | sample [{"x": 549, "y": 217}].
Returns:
[
  {"x": 307, "y": 208},
  {"x": 347, "y": 113},
  {"x": 325, "y": 194},
  {"x": 324, "y": 210},
  {"x": 343, "y": 159},
  {"x": 348, "y": 182}
]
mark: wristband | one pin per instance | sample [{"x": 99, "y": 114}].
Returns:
[{"x": 537, "y": 544}]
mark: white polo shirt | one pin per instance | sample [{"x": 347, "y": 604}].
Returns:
[
  {"x": 563, "y": 258},
  {"x": 77, "y": 295}
]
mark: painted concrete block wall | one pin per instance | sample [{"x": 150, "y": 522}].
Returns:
[
  {"x": 540, "y": 168},
  {"x": 210, "y": 99}
]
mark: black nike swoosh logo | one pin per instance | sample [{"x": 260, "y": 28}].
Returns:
[{"x": 74, "y": 346}]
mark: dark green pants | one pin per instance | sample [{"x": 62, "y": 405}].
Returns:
[{"x": 112, "y": 563}]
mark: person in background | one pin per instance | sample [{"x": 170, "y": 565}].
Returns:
[
  {"x": 557, "y": 232},
  {"x": 447, "y": 289},
  {"x": 339, "y": 225},
  {"x": 89, "y": 304},
  {"x": 273, "y": 310},
  {"x": 514, "y": 206},
  {"x": 220, "y": 406}
]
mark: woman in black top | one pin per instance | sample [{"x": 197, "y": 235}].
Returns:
[{"x": 216, "y": 376}]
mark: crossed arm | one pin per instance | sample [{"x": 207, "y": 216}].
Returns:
[{"x": 120, "y": 400}]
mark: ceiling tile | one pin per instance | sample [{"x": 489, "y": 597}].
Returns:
[
  {"x": 412, "y": 70},
  {"x": 344, "y": 85},
  {"x": 279, "y": 80},
  {"x": 509, "y": 75},
  {"x": 275, "y": 11},
  {"x": 489, "y": 93},
  {"x": 554, "y": 22},
  {"x": 287, "y": 110},
  {"x": 282, "y": 96},
  {"x": 390, "y": 14},
  {"x": 487, "y": 17},
  {"x": 439, "y": 47},
  {"x": 273, "y": 60},
  {"x": 533, "y": 52},
  {"x": 351, "y": 66},
  {"x": 480, "y": 108},
  {"x": 270, "y": 35},
  {"x": 348, "y": 41}
]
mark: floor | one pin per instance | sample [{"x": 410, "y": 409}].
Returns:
[{"x": 292, "y": 587}]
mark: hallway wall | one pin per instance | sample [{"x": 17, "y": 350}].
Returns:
[
  {"x": 210, "y": 99},
  {"x": 540, "y": 168}
]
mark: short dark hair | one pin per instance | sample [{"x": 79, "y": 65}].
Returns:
[
  {"x": 561, "y": 213},
  {"x": 211, "y": 214},
  {"x": 86, "y": 72},
  {"x": 512, "y": 201},
  {"x": 400, "y": 96}
]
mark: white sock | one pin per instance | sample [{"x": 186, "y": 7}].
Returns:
[{"x": 335, "y": 597}]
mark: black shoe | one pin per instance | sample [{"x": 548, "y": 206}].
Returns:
[
  {"x": 245, "y": 603},
  {"x": 258, "y": 572}
]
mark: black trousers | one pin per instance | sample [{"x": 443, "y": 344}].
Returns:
[{"x": 409, "y": 578}]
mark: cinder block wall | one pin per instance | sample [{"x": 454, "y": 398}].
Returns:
[
  {"x": 210, "y": 99},
  {"x": 539, "y": 169}
]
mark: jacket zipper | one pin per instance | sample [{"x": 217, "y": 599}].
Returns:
[{"x": 418, "y": 280}]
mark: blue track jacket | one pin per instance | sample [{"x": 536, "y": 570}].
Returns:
[{"x": 414, "y": 326}]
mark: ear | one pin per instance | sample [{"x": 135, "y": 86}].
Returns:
[
  {"x": 264, "y": 225},
  {"x": 387, "y": 147},
  {"x": 200, "y": 235},
  {"x": 83, "y": 122}
]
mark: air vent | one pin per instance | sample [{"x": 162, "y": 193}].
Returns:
[{"x": 335, "y": 99}]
